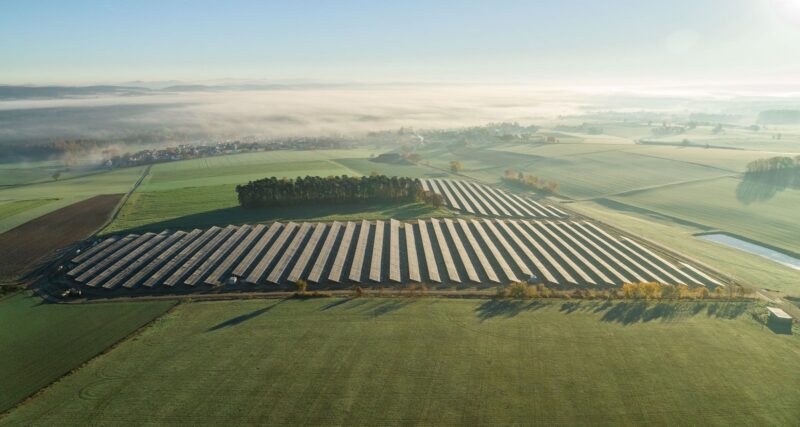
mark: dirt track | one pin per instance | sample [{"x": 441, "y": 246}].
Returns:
[{"x": 24, "y": 247}]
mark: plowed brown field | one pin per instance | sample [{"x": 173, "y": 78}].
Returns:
[{"x": 24, "y": 247}]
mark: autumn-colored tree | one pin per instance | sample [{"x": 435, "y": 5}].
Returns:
[
  {"x": 629, "y": 290},
  {"x": 456, "y": 166}
]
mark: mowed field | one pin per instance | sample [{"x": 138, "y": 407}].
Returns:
[
  {"x": 436, "y": 362},
  {"x": 202, "y": 192},
  {"x": 586, "y": 170},
  {"x": 718, "y": 204},
  {"x": 40, "y": 342}
]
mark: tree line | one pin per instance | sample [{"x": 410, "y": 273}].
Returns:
[
  {"x": 274, "y": 191},
  {"x": 531, "y": 181},
  {"x": 773, "y": 164}
]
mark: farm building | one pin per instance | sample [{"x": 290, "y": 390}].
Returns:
[{"x": 779, "y": 316}]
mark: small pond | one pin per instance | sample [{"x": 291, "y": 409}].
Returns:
[{"x": 753, "y": 248}]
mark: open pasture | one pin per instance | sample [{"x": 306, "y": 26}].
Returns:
[
  {"x": 241, "y": 168},
  {"x": 739, "y": 138},
  {"x": 436, "y": 362},
  {"x": 16, "y": 207},
  {"x": 611, "y": 172},
  {"x": 41, "y": 341},
  {"x": 63, "y": 192},
  {"x": 474, "y": 253},
  {"x": 586, "y": 170},
  {"x": 729, "y": 205}
]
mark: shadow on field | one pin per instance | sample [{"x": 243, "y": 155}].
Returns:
[
  {"x": 335, "y": 303},
  {"x": 369, "y": 307},
  {"x": 762, "y": 186},
  {"x": 779, "y": 328},
  {"x": 629, "y": 312},
  {"x": 237, "y": 215},
  {"x": 243, "y": 318},
  {"x": 506, "y": 308}
]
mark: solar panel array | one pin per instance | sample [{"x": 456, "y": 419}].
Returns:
[
  {"x": 461, "y": 252},
  {"x": 483, "y": 200}
]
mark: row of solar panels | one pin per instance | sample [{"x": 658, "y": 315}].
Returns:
[
  {"x": 479, "y": 199},
  {"x": 432, "y": 251}
]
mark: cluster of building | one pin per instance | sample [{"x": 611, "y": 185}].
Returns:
[{"x": 193, "y": 151}]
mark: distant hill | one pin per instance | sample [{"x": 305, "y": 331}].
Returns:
[
  {"x": 8, "y": 92},
  {"x": 779, "y": 117},
  {"x": 45, "y": 92}
]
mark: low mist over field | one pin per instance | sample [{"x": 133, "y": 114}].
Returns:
[{"x": 201, "y": 113}]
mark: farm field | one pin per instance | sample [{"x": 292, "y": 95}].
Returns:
[
  {"x": 241, "y": 168},
  {"x": 22, "y": 247},
  {"x": 15, "y": 173},
  {"x": 40, "y": 342},
  {"x": 201, "y": 192},
  {"x": 745, "y": 268},
  {"x": 739, "y": 138},
  {"x": 186, "y": 208},
  {"x": 582, "y": 170},
  {"x": 367, "y": 166},
  {"x": 9, "y": 209},
  {"x": 66, "y": 191},
  {"x": 725, "y": 204},
  {"x": 339, "y": 361}
]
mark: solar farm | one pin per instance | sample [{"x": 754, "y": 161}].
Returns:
[
  {"x": 479, "y": 199},
  {"x": 460, "y": 252}
]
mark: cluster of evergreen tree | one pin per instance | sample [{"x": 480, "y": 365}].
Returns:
[{"x": 333, "y": 189}]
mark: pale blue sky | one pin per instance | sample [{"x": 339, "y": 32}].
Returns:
[{"x": 583, "y": 40}]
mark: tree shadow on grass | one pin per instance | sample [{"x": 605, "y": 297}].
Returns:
[
  {"x": 335, "y": 303},
  {"x": 387, "y": 306},
  {"x": 369, "y": 307},
  {"x": 240, "y": 319},
  {"x": 506, "y": 308},
  {"x": 237, "y": 215},
  {"x": 760, "y": 187},
  {"x": 630, "y": 312}
]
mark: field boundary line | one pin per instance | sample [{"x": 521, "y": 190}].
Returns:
[
  {"x": 659, "y": 186},
  {"x": 682, "y": 161},
  {"x": 123, "y": 201}
]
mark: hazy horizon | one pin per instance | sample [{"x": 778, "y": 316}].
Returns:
[{"x": 620, "y": 42}]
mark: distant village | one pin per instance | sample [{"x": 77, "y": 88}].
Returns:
[{"x": 194, "y": 151}]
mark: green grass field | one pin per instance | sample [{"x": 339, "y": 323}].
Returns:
[
  {"x": 41, "y": 342},
  {"x": 64, "y": 192},
  {"x": 16, "y": 207},
  {"x": 241, "y": 168},
  {"x": 717, "y": 204},
  {"x": 437, "y": 362},
  {"x": 201, "y": 192}
]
